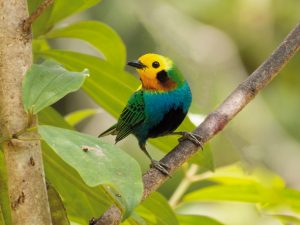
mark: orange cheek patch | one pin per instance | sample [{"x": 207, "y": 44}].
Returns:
[{"x": 155, "y": 85}]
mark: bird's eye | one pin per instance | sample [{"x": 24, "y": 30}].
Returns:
[{"x": 155, "y": 64}]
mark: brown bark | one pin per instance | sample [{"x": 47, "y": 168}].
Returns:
[
  {"x": 217, "y": 120},
  {"x": 23, "y": 159}
]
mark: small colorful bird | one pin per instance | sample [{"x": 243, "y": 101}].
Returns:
[{"x": 158, "y": 107}]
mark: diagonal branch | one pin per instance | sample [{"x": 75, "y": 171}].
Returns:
[{"x": 216, "y": 120}]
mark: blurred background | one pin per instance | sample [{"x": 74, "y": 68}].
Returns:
[{"x": 216, "y": 44}]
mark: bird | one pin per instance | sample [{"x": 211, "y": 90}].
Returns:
[{"x": 157, "y": 107}]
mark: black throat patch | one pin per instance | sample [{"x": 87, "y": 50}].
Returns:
[{"x": 162, "y": 76}]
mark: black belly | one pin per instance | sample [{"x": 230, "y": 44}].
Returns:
[{"x": 171, "y": 120}]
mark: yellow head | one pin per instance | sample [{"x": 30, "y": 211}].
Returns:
[{"x": 157, "y": 73}]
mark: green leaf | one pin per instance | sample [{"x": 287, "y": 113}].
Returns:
[
  {"x": 158, "y": 206},
  {"x": 99, "y": 35},
  {"x": 197, "y": 220},
  {"x": 135, "y": 219},
  {"x": 251, "y": 192},
  {"x": 108, "y": 86},
  {"x": 103, "y": 164},
  {"x": 232, "y": 184},
  {"x": 77, "y": 116},
  {"x": 68, "y": 182},
  {"x": 57, "y": 209},
  {"x": 59, "y": 10},
  {"x": 75, "y": 193},
  {"x": 5, "y": 216},
  {"x": 146, "y": 214},
  {"x": 46, "y": 83}
]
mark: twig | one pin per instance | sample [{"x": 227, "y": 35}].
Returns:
[
  {"x": 218, "y": 119},
  {"x": 183, "y": 186},
  {"x": 40, "y": 9}
]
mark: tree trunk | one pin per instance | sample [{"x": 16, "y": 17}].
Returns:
[{"x": 23, "y": 158}]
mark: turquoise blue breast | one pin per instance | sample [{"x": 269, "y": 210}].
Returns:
[{"x": 164, "y": 112}]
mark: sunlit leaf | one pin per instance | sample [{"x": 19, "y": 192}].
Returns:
[
  {"x": 135, "y": 219},
  {"x": 197, "y": 220},
  {"x": 245, "y": 193},
  {"x": 99, "y": 35},
  {"x": 46, "y": 83},
  {"x": 146, "y": 214},
  {"x": 57, "y": 209},
  {"x": 74, "y": 118},
  {"x": 232, "y": 184},
  {"x": 102, "y": 164}
]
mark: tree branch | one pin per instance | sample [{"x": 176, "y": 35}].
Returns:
[
  {"x": 23, "y": 159},
  {"x": 217, "y": 120},
  {"x": 40, "y": 9}
]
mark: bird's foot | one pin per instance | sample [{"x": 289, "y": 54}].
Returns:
[
  {"x": 196, "y": 139},
  {"x": 163, "y": 168}
]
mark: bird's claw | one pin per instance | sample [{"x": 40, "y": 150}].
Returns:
[
  {"x": 163, "y": 168},
  {"x": 196, "y": 139}
]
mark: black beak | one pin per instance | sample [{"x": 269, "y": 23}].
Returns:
[{"x": 137, "y": 64}]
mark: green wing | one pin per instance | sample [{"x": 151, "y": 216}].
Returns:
[{"x": 132, "y": 115}]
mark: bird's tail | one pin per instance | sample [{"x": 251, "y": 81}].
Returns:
[{"x": 112, "y": 130}]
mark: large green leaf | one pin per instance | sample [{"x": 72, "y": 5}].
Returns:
[
  {"x": 68, "y": 182},
  {"x": 197, "y": 220},
  {"x": 59, "y": 10},
  {"x": 103, "y": 164},
  {"x": 74, "y": 191},
  {"x": 99, "y": 35},
  {"x": 160, "y": 208},
  {"x": 111, "y": 88},
  {"x": 46, "y": 83}
]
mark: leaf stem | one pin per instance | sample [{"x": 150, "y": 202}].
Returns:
[
  {"x": 183, "y": 186},
  {"x": 27, "y": 129},
  {"x": 19, "y": 133}
]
